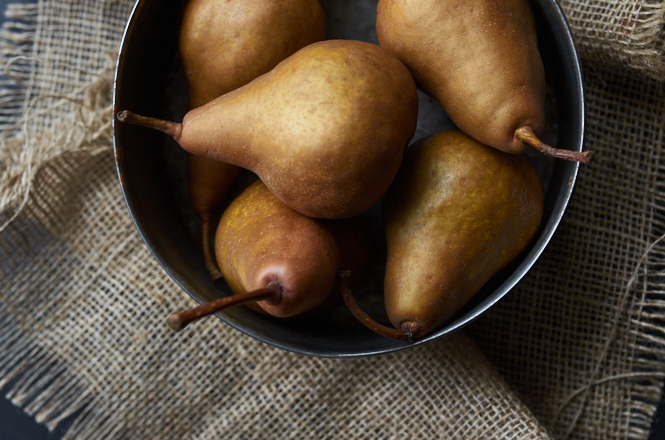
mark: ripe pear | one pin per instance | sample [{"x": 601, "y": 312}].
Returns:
[
  {"x": 325, "y": 130},
  {"x": 457, "y": 213},
  {"x": 285, "y": 261},
  {"x": 224, "y": 45},
  {"x": 480, "y": 60},
  {"x": 260, "y": 240}
]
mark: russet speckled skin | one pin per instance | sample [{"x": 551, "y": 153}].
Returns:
[
  {"x": 478, "y": 58},
  {"x": 259, "y": 240},
  {"x": 325, "y": 129},
  {"x": 458, "y": 212}
]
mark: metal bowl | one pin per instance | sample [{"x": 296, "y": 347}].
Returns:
[{"x": 149, "y": 81}]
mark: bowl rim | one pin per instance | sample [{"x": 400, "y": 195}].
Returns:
[{"x": 550, "y": 8}]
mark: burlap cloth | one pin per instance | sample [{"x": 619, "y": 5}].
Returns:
[{"x": 577, "y": 350}]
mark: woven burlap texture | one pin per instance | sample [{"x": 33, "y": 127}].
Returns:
[
  {"x": 627, "y": 34},
  {"x": 582, "y": 336},
  {"x": 578, "y": 344}
]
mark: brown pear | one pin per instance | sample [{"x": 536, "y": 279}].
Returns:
[
  {"x": 480, "y": 60},
  {"x": 224, "y": 45},
  {"x": 279, "y": 261},
  {"x": 260, "y": 240},
  {"x": 325, "y": 130},
  {"x": 457, "y": 213}
]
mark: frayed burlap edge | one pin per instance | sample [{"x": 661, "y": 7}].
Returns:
[
  {"x": 16, "y": 39},
  {"x": 628, "y": 34},
  {"x": 86, "y": 129},
  {"x": 39, "y": 383},
  {"x": 33, "y": 378}
]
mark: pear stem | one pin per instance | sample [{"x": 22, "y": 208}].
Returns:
[
  {"x": 364, "y": 318},
  {"x": 171, "y": 128},
  {"x": 208, "y": 259},
  {"x": 179, "y": 320},
  {"x": 525, "y": 134}
]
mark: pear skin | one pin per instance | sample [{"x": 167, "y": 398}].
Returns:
[
  {"x": 458, "y": 212},
  {"x": 226, "y": 44},
  {"x": 325, "y": 130},
  {"x": 480, "y": 60},
  {"x": 279, "y": 262},
  {"x": 260, "y": 240},
  {"x": 223, "y": 46}
]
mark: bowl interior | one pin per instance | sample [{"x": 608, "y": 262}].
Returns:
[{"x": 151, "y": 170}]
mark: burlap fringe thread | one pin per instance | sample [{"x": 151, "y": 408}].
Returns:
[
  {"x": 594, "y": 380},
  {"x": 34, "y": 379},
  {"x": 87, "y": 129}
]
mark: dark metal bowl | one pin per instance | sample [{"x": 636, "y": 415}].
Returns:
[{"x": 149, "y": 81}]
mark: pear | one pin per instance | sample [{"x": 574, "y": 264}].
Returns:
[
  {"x": 224, "y": 45},
  {"x": 325, "y": 130},
  {"x": 480, "y": 60},
  {"x": 458, "y": 212},
  {"x": 278, "y": 259}
]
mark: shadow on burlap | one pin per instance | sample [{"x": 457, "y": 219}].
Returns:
[{"x": 577, "y": 348}]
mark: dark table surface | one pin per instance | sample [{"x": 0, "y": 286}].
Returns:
[{"x": 16, "y": 425}]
